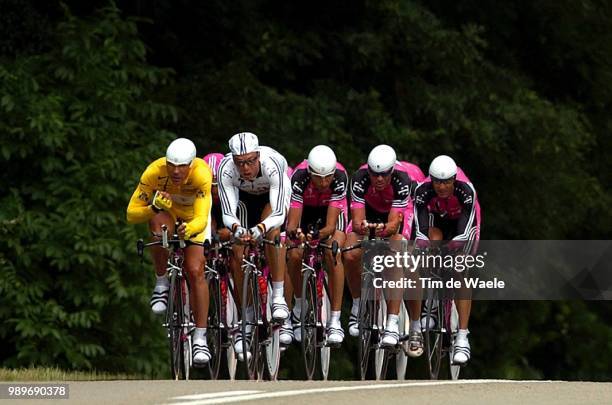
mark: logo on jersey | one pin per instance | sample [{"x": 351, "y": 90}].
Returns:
[
  {"x": 143, "y": 197},
  {"x": 405, "y": 190},
  {"x": 358, "y": 187}
]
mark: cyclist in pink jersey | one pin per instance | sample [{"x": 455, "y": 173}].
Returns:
[
  {"x": 218, "y": 228},
  {"x": 318, "y": 196},
  {"x": 446, "y": 208},
  {"x": 381, "y": 192}
]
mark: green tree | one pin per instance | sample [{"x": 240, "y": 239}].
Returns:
[{"x": 78, "y": 125}]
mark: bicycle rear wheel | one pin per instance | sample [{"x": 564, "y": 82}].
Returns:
[
  {"x": 174, "y": 318},
  {"x": 308, "y": 318}
]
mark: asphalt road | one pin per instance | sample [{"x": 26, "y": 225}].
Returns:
[{"x": 200, "y": 392}]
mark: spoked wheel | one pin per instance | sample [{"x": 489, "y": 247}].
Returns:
[
  {"x": 454, "y": 369},
  {"x": 325, "y": 350},
  {"x": 249, "y": 289},
  {"x": 366, "y": 320},
  {"x": 229, "y": 319},
  {"x": 187, "y": 329},
  {"x": 215, "y": 330},
  {"x": 381, "y": 355},
  {"x": 401, "y": 359},
  {"x": 272, "y": 347},
  {"x": 433, "y": 338},
  {"x": 308, "y": 319},
  {"x": 174, "y": 316}
]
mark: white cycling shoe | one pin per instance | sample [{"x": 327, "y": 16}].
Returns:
[
  {"x": 286, "y": 332},
  {"x": 335, "y": 334},
  {"x": 201, "y": 353},
  {"x": 280, "y": 310},
  {"x": 461, "y": 350},
  {"x": 238, "y": 346},
  {"x": 390, "y": 337},
  {"x": 353, "y": 325},
  {"x": 159, "y": 299}
]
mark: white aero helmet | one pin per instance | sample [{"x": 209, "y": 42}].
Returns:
[
  {"x": 382, "y": 159},
  {"x": 243, "y": 143},
  {"x": 321, "y": 161},
  {"x": 442, "y": 168},
  {"x": 181, "y": 152}
]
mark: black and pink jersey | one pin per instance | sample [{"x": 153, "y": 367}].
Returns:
[
  {"x": 397, "y": 196},
  {"x": 461, "y": 211},
  {"x": 305, "y": 194}
]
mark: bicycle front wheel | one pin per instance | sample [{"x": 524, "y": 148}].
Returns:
[
  {"x": 250, "y": 352},
  {"x": 366, "y": 321},
  {"x": 215, "y": 328},
  {"x": 174, "y": 318},
  {"x": 308, "y": 318},
  {"x": 433, "y": 337}
]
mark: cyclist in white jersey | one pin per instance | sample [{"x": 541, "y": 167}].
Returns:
[{"x": 255, "y": 177}]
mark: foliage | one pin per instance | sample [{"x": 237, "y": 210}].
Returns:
[
  {"x": 517, "y": 93},
  {"x": 79, "y": 123}
]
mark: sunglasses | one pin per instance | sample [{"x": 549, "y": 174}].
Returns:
[
  {"x": 381, "y": 174},
  {"x": 445, "y": 181},
  {"x": 248, "y": 162}
]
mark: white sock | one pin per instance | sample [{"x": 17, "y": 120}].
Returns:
[
  {"x": 415, "y": 325},
  {"x": 199, "y": 334},
  {"x": 392, "y": 321},
  {"x": 462, "y": 333},
  {"x": 278, "y": 289},
  {"x": 161, "y": 283},
  {"x": 355, "y": 308},
  {"x": 297, "y": 307},
  {"x": 334, "y": 319}
]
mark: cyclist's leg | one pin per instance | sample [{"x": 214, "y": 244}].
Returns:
[
  {"x": 352, "y": 270},
  {"x": 335, "y": 333},
  {"x": 275, "y": 257},
  {"x": 199, "y": 296},
  {"x": 393, "y": 297},
  {"x": 159, "y": 297}
]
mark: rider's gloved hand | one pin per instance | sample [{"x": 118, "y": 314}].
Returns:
[
  {"x": 240, "y": 232},
  {"x": 257, "y": 232},
  {"x": 162, "y": 201}
]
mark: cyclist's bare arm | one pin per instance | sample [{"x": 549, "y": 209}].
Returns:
[
  {"x": 293, "y": 219},
  {"x": 359, "y": 217},
  {"x": 330, "y": 223}
]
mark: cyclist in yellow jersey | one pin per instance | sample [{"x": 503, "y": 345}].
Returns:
[{"x": 177, "y": 187}]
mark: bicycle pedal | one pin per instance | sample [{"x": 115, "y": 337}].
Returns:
[
  {"x": 199, "y": 365},
  {"x": 333, "y": 345}
]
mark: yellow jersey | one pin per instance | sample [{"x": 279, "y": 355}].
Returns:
[{"x": 191, "y": 200}]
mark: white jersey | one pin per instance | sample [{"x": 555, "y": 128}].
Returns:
[{"x": 272, "y": 179}]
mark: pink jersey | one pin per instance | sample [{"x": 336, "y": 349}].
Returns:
[
  {"x": 214, "y": 161},
  {"x": 304, "y": 193},
  {"x": 462, "y": 206},
  {"x": 397, "y": 196}
]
